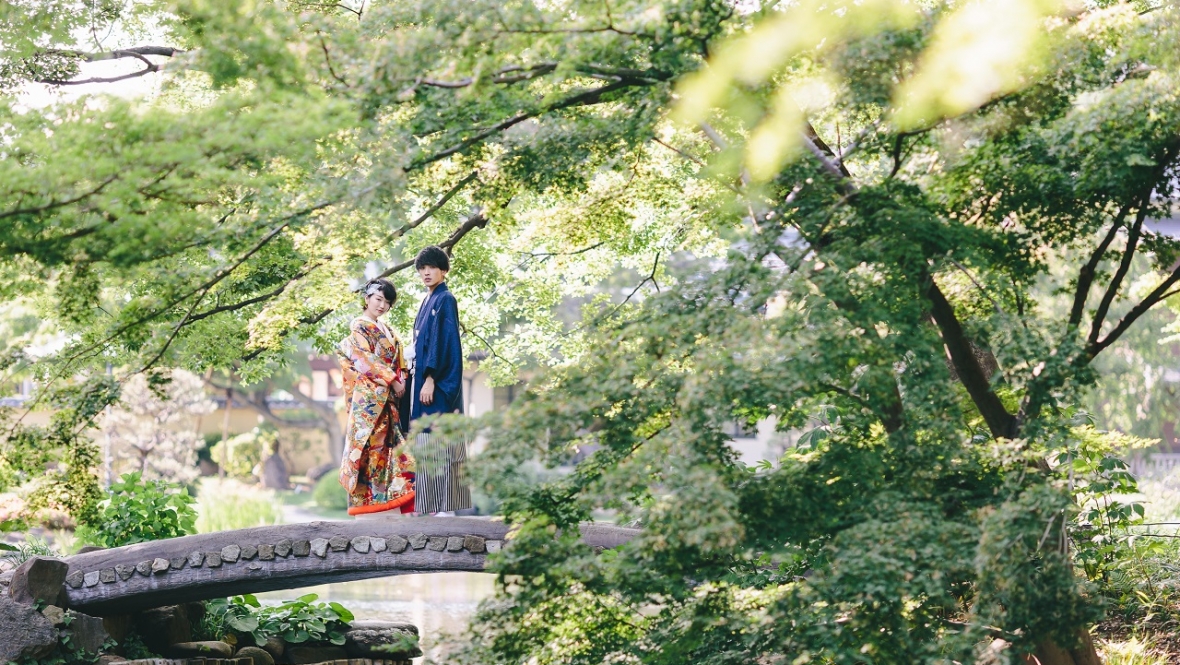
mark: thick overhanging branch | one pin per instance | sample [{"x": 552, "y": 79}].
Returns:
[
  {"x": 139, "y": 53},
  {"x": 1001, "y": 423}
]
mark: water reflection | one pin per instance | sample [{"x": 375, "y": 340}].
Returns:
[{"x": 438, "y": 603}]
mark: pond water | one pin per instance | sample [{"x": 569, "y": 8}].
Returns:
[{"x": 439, "y": 604}]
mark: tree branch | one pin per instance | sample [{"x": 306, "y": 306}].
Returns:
[
  {"x": 53, "y": 205},
  {"x": 1157, "y": 295},
  {"x": 442, "y": 201},
  {"x": 1001, "y": 423},
  {"x": 1086, "y": 274},
  {"x": 1124, "y": 265},
  {"x": 583, "y": 98},
  {"x": 477, "y": 220}
]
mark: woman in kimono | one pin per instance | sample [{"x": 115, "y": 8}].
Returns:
[{"x": 377, "y": 470}]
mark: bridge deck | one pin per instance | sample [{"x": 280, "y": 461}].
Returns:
[{"x": 289, "y": 556}]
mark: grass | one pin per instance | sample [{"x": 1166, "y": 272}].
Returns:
[
  {"x": 223, "y": 505},
  {"x": 1132, "y": 651}
]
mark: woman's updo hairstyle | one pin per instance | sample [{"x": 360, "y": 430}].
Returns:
[{"x": 379, "y": 285}]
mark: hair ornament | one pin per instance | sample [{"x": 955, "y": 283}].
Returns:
[{"x": 372, "y": 289}]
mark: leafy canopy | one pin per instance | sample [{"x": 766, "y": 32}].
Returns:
[{"x": 839, "y": 216}]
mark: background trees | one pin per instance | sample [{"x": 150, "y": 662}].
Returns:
[{"x": 877, "y": 192}]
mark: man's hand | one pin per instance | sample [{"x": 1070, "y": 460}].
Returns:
[
  {"x": 399, "y": 389},
  {"x": 426, "y": 396}
]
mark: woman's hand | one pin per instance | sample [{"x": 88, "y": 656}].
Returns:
[
  {"x": 426, "y": 396},
  {"x": 399, "y": 389}
]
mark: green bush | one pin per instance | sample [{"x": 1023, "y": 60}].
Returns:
[
  {"x": 224, "y": 505},
  {"x": 245, "y": 451},
  {"x": 329, "y": 494},
  {"x": 137, "y": 511},
  {"x": 296, "y": 621}
]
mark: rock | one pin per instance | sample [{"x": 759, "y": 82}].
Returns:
[
  {"x": 106, "y": 576},
  {"x": 196, "y": 559},
  {"x": 417, "y": 541},
  {"x": 177, "y": 562},
  {"x": 379, "y": 544},
  {"x": 109, "y": 659},
  {"x": 55, "y": 614},
  {"x": 144, "y": 568},
  {"x": 160, "y": 566},
  {"x": 24, "y": 631},
  {"x": 266, "y": 552},
  {"x": 475, "y": 544},
  {"x": 397, "y": 544},
  {"x": 38, "y": 580},
  {"x": 124, "y": 571},
  {"x": 455, "y": 544},
  {"x": 283, "y": 548},
  {"x": 275, "y": 646},
  {"x": 230, "y": 553},
  {"x": 91, "y": 548},
  {"x": 199, "y": 650},
  {"x": 90, "y": 579},
  {"x": 275, "y": 475},
  {"x": 378, "y": 639},
  {"x": 319, "y": 547},
  {"x": 249, "y": 552},
  {"x": 493, "y": 546},
  {"x": 301, "y": 547},
  {"x": 338, "y": 543},
  {"x": 87, "y": 633},
  {"x": 302, "y": 655},
  {"x": 361, "y": 544},
  {"x": 259, "y": 656},
  {"x": 162, "y": 627},
  {"x": 436, "y": 543},
  {"x": 212, "y": 559}
]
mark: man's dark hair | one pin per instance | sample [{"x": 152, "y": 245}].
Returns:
[
  {"x": 432, "y": 256},
  {"x": 387, "y": 290}
]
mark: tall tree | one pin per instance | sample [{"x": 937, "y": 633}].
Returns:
[{"x": 877, "y": 187}]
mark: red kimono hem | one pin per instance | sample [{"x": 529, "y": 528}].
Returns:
[{"x": 400, "y": 502}]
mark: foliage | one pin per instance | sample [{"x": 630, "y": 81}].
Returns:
[
  {"x": 227, "y": 505},
  {"x": 329, "y": 494},
  {"x": 837, "y": 207},
  {"x": 152, "y": 429},
  {"x": 139, "y": 510},
  {"x": 30, "y": 547},
  {"x": 242, "y": 453},
  {"x": 297, "y": 621}
]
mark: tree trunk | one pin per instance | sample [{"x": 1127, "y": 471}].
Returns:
[
  {"x": 1048, "y": 653},
  {"x": 326, "y": 412},
  {"x": 224, "y": 461}
]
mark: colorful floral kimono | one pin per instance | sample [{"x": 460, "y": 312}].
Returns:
[{"x": 377, "y": 470}]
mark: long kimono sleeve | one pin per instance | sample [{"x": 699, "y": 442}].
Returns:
[
  {"x": 444, "y": 357},
  {"x": 364, "y": 360}
]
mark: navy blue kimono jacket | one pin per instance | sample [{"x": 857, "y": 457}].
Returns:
[{"x": 438, "y": 353}]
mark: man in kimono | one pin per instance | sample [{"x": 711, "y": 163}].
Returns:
[{"x": 437, "y": 389}]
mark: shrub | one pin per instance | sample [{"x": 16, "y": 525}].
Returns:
[
  {"x": 296, "y": 621},
  {"x": 223, "y": 505},
  {"x": 329, "y": 494},
  {"x": 137, "y": 511},
  {"x": 245, "y": 452}
]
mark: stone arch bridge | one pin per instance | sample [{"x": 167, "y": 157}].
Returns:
[{"x": 214, "y": 565}]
